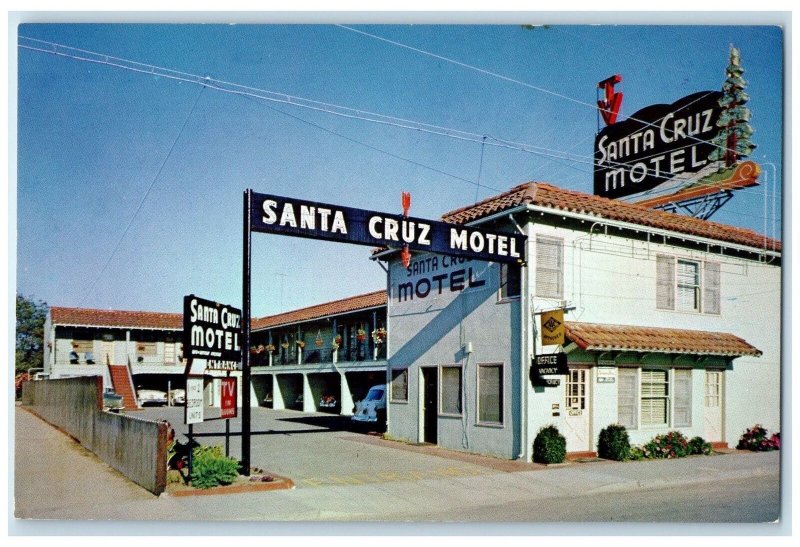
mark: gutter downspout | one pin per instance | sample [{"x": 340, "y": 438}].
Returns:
[{"x": 524, "y": 350}]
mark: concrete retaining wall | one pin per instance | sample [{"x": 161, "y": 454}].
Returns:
[{"x": 136, "y": 448}]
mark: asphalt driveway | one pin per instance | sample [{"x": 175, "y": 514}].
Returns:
[{"x": 315, "y": 449}]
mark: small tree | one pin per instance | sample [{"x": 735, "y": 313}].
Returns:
[{"x": 31, "y": 316}]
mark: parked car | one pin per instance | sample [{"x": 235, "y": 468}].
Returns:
[
  {"x": 112, "y": 402},
  {"x": 372, "y": 409},
  {"x": 177, "y": 397},
  {"x": 152, "y": 397}
]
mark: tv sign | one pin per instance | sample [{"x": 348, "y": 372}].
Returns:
[
  {"x": 656, "y": 144},
  {"x": 228, "y": 397}
]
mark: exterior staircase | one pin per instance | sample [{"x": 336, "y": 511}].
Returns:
[{"x": 123, "y": 385}]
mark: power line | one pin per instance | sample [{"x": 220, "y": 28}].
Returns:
[
  {"x": 338, "y": 110},
  {"x": 507, "y": 78},
  {"x": 302, "y": 102},
  {"x": 141, "y": 202}
]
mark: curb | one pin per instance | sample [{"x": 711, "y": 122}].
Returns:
[
  {"x": 686, "y": 481},
  {"x": 281, "y": 483}
]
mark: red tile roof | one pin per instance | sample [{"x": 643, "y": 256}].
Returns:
[
  {"x": 116, "y": 318},
  {"x": 354, "y": 303},
  {"x": 547, "y": 195},
  {"x": 597, "y": 337}
]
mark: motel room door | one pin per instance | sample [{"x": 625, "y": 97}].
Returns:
[
  {"x": 576, "y": 410},
  {"x": 430, "y": 404},
  {"x": 712, "y": 415}
]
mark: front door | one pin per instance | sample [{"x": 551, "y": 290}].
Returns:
[
  {"x": 576, "y": 411},
  {"x": 430, "y": 404},
  {"x": 712, "y": 416},
  {"x": 106, "y": 353}
]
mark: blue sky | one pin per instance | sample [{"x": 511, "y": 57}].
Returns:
[{"x": 93, "y": 139}]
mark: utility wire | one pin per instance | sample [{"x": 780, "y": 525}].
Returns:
[
  {"x": 346, "y": 112},
  {"x": 503, "y": 77},
  {"x": 330, "y": 108},
  {"x": 141, "y": 202}
]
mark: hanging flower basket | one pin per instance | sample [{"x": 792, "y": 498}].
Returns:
[
  {"x": 270, "y": 348},
  {"x": 379, "y": 335},
  {"x": 301, "y": 344},
  {"x": 361, "y": 335},
  {"x": 334, "y": 345},
  {"x": 285, "y": 345},
  {"x": 318, "y": 340}
]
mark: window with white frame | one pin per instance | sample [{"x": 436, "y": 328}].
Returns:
[
  {"x": 400, "y": 385},
  {"x": 687, "y": 285},
  {"x": 654, "y": 397},
  {"x": 451, "y": 390},
  {"x": 490, "y": 393},
  {"x": 549, "y": 267}
]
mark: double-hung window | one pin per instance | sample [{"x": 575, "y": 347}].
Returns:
[
  {"x": 451, "y": 390},
  {"x": 549, "y": 267},
  {"x": 687, "y": 285},
  {"x": 400, "y": 385},
  {"x": 490, "y": 393}
]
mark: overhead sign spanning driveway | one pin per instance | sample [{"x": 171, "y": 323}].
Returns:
[{"x": 294, "y": 217}]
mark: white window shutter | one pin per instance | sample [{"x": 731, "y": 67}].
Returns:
[
  {"x": 711, "y": 287},
  {"x": 683, "y": 398},
  {"x": 665, "y": 282},
  {"x": 627, "y": 396}
]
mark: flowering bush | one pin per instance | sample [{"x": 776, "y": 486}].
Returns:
[
  {"x": 671, "y": 445},
  {"x": 756, "y": 439}
]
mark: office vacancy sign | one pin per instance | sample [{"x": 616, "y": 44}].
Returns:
[{"x": 194, "y": 400}]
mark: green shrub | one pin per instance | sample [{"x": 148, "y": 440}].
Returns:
[
  {"x": 549, "y": 446},
  {"x": 636, "y": 453},
  {"x": 671, "y": 445},
  {"x": 614, "y": 443},
  {"x": 211, "y": 468},
  {"x": 698, "y": 445}
]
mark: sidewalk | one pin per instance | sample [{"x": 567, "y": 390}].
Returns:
[{"x": 55, "y": 478}]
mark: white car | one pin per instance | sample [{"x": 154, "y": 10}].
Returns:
[
  {"x": 151, "y": 397},
  {"x": 373, "y": 408}
]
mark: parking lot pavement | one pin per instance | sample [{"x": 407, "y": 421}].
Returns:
[{"x": 315, "y": 449}]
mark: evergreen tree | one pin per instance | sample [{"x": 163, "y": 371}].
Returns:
[
  {"x": 31, "y": 316},
  {"x": 733, "y": 139}
]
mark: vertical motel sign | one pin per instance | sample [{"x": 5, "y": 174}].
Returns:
[{"x": 271, "y": 214}]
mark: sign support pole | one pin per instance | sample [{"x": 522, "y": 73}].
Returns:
[
  {"x": 246, "y": 267},
  {"x": 191, "y": 448}
]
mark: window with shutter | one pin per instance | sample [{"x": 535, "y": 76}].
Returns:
[
  {"x": 711, "y": 297},
  {"x": 490, "y": 393},
  {"x": 549, "y": 267},
  {"x": 655, "y": 397},
  {"x": 627, "y": 396},
  {"x": 665, "y": 283},
  {"x": 682, "y": 396},
  {"x": 451, "y": 390}
]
